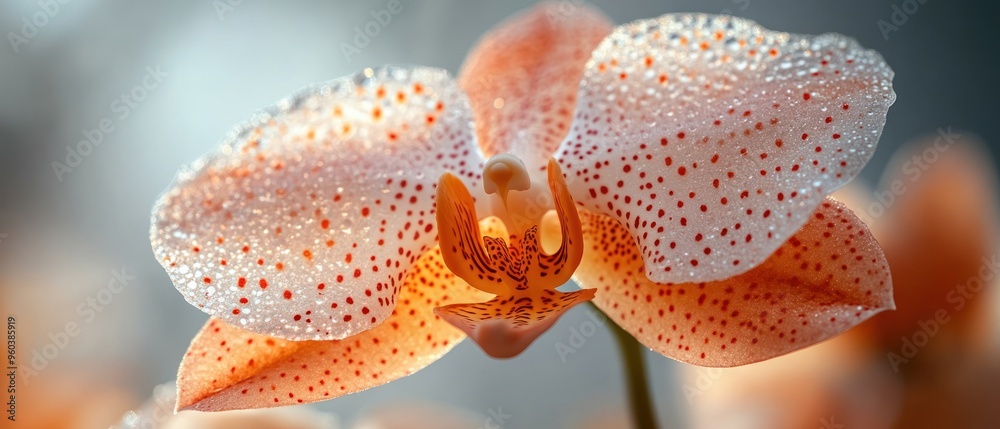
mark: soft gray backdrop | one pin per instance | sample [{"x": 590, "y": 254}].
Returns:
[{"x": 63, "y": 238}]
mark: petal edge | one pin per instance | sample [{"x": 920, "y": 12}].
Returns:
[
  {"x": 691, "y": 126},
  {"x": 814, "y": 287}
]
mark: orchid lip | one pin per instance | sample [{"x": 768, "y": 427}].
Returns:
[{"x": 520, "y": 273}]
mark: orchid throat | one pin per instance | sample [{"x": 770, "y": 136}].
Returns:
[{"x": 521, "y": 274}]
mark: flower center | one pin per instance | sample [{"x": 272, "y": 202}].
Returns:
[
  {"x": 523, "y": 264},
  {"x": 522, "y": 274}
]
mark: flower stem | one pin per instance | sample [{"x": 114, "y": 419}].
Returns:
[{"x": 640, "y": 400}]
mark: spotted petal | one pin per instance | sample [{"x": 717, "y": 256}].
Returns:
[
  {"x": 826, "y": 278},
  {"x": 228, "y": 368},
  {"x": 522, "y": 78},
  {"x": 304, "y": 222},
  {"x": 713, "y": 139}
]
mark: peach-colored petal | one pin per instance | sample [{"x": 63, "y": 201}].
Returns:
[
  {"x": 523, "y": 76},
  {"x": 227, "y": 368},
  {"x": 828, "y": 277},
  {"x": 939, "y": 231},
  {"x": 315, "y": 209},
  {"x": 522, "y": 275},
  {"x": 857, "y": 196},
  {"x": 713, "y": 139}
]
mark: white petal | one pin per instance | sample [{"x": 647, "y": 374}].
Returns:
[
  {"x": 713, "y": 139},
  {"x": 304, "y": 222}
]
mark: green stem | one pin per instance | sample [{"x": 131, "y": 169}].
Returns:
[{"x": 640, "y": 400}]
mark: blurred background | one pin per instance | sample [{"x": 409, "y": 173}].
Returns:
[{"x": 205, "y": 66}]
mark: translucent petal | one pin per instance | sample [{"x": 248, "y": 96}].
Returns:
[
  {"x": 827, "y": 278},
  {"x": 713, "y": 139},
  {"x": 304, "y": 222},
  {"x": 227, "y": 368},
  {"x": 523, "y": 76}
]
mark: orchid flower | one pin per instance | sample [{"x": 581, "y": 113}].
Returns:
[
  {"x": 676, "y": 168},
  {"x": 941, "y": 237},
  {"x": 830, "y": 384},
  {"x": 935, "y": 214},
  {"x": 940, "y": 232}
]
